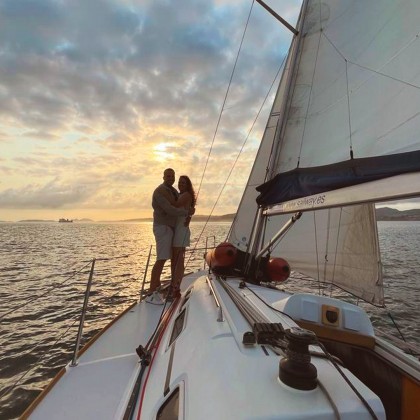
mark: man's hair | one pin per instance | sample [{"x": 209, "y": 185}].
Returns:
[{"x": 168, "y": 169}]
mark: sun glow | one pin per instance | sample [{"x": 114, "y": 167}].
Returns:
[{"x": 161, "y": 151}]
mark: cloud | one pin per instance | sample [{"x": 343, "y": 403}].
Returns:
[
  {"x": 52, "y": 195},
  {"x": 90, "y": 91}
]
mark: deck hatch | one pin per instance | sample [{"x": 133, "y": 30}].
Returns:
[
  {"x": 186, "y": 298},
  {"x": 170, "y": 408},
  {"x": 178, "y": 327}
]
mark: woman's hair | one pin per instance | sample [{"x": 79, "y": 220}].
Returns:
[{"x": 190, "y": 189}]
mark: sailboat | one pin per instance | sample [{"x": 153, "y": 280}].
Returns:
[{"x": 342, "y": 135}]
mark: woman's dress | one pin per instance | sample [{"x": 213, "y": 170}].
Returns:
[{"x": 182, "y": 234}]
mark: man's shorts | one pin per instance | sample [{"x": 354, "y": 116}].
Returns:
[{"x": 163, "y": 236}]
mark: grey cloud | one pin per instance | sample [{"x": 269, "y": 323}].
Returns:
[
  {"x": 51, "y": 195},
  {"x": 40, "y": 134},
  {"x": 88, "y": 29},
  {"x": 26, "y": 26},
  {"x": 6, "y": 170},
  {"x": 108, "y": 62}
]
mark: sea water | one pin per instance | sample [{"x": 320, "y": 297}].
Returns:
[{"x": 44, "y": 268}]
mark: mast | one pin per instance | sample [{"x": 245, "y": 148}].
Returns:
[{"x": 290, "y": 65}]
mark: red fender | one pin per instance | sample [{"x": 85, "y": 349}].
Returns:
[
  {"x": 223, "y": 256},
  {"x": 278, "y": 270}
]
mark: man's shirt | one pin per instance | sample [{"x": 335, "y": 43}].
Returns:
[{"x": 163, "y": 212}]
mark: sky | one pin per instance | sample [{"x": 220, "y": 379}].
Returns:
[{"x": 98, "y": 97}]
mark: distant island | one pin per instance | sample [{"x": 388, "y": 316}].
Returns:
[
  {"x": 197, "y": 218},
  {"x": 382, "y": 214},
  {"x": 386, "y": 213}
]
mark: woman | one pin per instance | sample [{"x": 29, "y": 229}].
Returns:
[{"x": 181, "y": 239}]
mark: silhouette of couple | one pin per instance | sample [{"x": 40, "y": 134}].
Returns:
[{"x": 172, "y": 211}]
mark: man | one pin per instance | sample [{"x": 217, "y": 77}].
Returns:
[{"x": 164, "y": 220}]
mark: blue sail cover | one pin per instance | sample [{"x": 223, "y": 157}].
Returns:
[{"x": 303, "y": 182}]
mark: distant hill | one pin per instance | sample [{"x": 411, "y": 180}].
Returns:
[
  {"x": 196, "y": 218},
  {"x": 35, "y": 221},
  {"x": 386, "y": 213},
  {"x": 222, "y": 218},
  {"x": 52, "y": 221},
  {"x": 382, "y": 214}
]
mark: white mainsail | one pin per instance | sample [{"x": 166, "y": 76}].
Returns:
[{"x": 351, "y": 89}]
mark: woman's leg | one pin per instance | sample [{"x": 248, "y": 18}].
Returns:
[{"x": 178, "y": 261}]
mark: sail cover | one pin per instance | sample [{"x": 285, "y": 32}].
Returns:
[
  {"x": 303, "y": 182},
  {"x": 349, "y": 95}
]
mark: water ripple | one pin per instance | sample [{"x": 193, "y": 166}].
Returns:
[{"x": 48, "y": 264}]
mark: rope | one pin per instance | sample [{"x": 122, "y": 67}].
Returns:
[
  {"x": 359, "y": 395},
  {"x": 331, "y": 359}
]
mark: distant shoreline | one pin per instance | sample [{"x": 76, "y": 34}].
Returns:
[
  {"x": 198, "y": 218},
  {"x": 384, "y": 214}
]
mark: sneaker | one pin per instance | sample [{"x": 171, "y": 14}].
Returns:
[{"x": 155, "y": 299}]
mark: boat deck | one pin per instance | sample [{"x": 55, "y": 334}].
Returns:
[
  {"x": 213, "y": 372},
  {"x": 98, "y": 386}
]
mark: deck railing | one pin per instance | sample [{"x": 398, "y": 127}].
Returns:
[{"x": 75, "y": 283}]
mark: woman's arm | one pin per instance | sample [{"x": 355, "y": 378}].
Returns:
[{"x": 184, "y": 200}]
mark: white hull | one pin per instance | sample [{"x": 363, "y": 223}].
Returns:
[{"x": 217, "y": 375}]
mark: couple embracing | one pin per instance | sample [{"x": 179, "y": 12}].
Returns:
[{"x": 172, "y": 211}]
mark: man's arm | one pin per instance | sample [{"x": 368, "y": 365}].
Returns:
[{"x": 164, "y": 204}]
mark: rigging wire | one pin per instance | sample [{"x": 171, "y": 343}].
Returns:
[
  {"x": 316, "y": 253},
  {"x": 218, "y": 123},
  {"x": 43, "y": 294},
  {"x": 399, "y": 331},
  {"x": 349, "y": 110},
  {"x": 240, "y": 151},
  {"x": 225, "y": 98},
  {"x": 336, "y": 250},
  {"x": 5, "y": 391},
  {"x": 35, "y": 298}
]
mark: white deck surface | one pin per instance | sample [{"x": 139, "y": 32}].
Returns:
[
  {"x": 95, "y": 388},
  {"x": 219, "y": 378}
]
